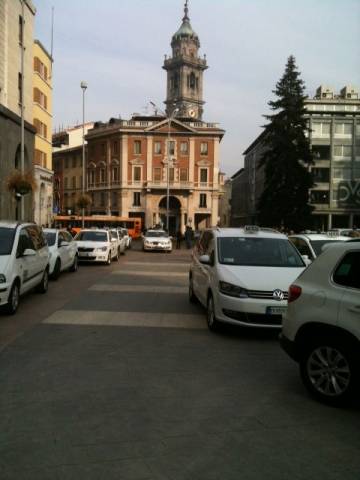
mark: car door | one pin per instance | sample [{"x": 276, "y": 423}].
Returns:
[
  {"x": 27, "y": 265},
  {"x": 347, "y": 274},
  {"x": 196, "y": 254},
  {"x": 63, "y": 250},
  {"x": 72, "y": 248},
  {"x": 204, "y": 271}
]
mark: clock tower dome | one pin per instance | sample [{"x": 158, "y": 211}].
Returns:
[{"x": 185, "y": 72}]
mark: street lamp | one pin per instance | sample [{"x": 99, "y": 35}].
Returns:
[
  {"x": 83, "y": 86},
  {"x": 169, "y": 119}
]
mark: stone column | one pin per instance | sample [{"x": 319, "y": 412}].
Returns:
[
  {"x": 149, "y": 153},
  {"x": 214, "y": 209}
]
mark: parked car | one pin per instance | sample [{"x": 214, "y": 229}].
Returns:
[
  {"x": 24, "y": 262},
  {"x": 127, "y": 236},
  {"x": 63, "y": 251},
  {"x": 117, "y": 235},
  {"x": 157, "y": 240},
  {"x": 95, "y": 245},
  {"x": 242, "y": 275},
  {"x": 321, "y": 329},
  {"x": 311, "y": 244}
]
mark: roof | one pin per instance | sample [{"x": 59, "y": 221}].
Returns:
[
  {"x": 8, "y": 224},
  {"x": 248, "y": 232},
  {"x": 320, "y": 236}
]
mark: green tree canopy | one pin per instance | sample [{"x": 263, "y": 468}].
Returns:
[{"x": 287, "y": 156}]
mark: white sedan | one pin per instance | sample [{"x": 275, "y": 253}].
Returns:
[
  {"x": 96, "y": 245},
  {"x": 63, "y": 252},
  {"x": 118, "y": 236},
  {"x": 157, "y": 240}
]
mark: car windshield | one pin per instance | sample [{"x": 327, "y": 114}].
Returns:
[
  {"x": 317, "y": 245},
  {"x": 156, "y": 233},
  {"x": 114, "y": 235},
  {"x": 258, "y": 252},
  {"x": 6, "y": 240},
  {"x": 92, "y": 236},
  {"x": 50, "y": 238}
]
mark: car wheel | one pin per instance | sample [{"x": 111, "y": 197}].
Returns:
[
  {"x": 108, "y": 261},
  {"x": 75, "y": 265},
  {"x": 330, "y": 370},
  {"x": 13, "y": 300},
  {"x": 212, "y": 322},
  {"x": 192, "y": 296},
  {"x": 44, "y": 284},
  {"x": 57, "y": 269},
  {"x": 116, "y": 258}
]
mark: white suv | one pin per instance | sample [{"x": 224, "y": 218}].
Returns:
[
  {"x": 24, "y": 262},
  {"x": 312, "y": 244},
  {"x": 242, "y": 275},
  {"x": 321, "y": 329},
  {"x": 96, "y": 245}
]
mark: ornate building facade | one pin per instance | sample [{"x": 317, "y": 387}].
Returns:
[{"x": 132, "y": 163}]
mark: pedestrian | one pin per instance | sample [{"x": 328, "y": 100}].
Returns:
[
  {"x": 178, "y": 239},
  {"x": 188, "y": 237}
]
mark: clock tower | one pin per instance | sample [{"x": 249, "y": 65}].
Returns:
[{"x": 185, "y": 72}]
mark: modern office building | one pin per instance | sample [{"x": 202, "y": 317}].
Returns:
[
  {"x": 16, "y": 37},
  {"x": 42, "y": 121},
  {"x": 334, "y": 123},
  {"x": 131, "y": 163}
]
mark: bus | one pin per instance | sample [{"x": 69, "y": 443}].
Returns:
[{"x": 74, "y": 222}]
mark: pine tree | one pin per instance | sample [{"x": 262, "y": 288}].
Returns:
[{"x": 285, "y": 199}]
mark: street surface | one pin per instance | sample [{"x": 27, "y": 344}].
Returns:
[{"x": 113, "y": 375}]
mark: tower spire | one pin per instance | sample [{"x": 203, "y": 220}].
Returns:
[{"x": 186, "y": 11}]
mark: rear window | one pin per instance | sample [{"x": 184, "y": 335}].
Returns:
[
  {"x": 347, "y": 273},
  {"x": 258, "y": 252},
  {"x": 318, "y": 244},
  {"x": 92, "y": 236},
  {"x": 50, "y": 237},
  {"x": 6, "y": 240},
  {"x": 156, "y": 233}
]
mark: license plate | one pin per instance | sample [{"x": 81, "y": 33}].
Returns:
[{"x": 276, "y": 310}]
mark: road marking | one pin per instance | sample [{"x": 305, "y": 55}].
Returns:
[
  {"x": 138, "y": 289},
  {"x": 147, "y": 273},
  {"x": 127, "y": 319},
  {"x": 159, "y": 264}
]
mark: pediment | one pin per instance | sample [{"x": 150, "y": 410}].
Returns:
[
  {"x": 203, "y": 163},
  {"x": 136, "y": 161},
  {"x": 175, "y": 126}
]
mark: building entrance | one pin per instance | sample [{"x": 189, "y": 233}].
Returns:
[{"x": 174, "y": 214}]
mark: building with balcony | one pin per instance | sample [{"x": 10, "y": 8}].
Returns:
[
  {"x": 42, "y": 121},
  {"x": 132, "y": 163},
  {"x": 334, "y": 124},
  {"x": 16, "y": 35}
]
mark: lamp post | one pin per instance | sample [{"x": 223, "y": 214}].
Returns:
[
  {"x": 83, "y": 86},
  {"x": 169, "y": 120}
]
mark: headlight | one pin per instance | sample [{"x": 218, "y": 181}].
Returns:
[
  {"x": 102, "y": 249},
  {"x": 232, "y": 290},
  {"x": 2, "y": 278}
]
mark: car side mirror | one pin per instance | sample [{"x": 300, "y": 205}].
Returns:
[
  {"x": 28, "y": 252},
  {"x": 64, "y": 244},
  {"x": 306, "y": 259},
  {"x": 205, "y": 260}
]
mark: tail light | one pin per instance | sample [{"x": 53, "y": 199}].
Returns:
[{"x": 294, "y": 293}]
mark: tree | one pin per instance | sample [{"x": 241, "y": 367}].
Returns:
[{"x": 287, "y": 156}]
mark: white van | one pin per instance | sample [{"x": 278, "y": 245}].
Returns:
[{"x": 24, "y": 262}]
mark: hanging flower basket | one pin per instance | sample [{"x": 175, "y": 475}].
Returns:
[
  {"x": 84, "y": 201},
  {"x": 21, "y": 183}
]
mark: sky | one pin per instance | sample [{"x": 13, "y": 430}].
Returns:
[{"x": 118, "y": 48}]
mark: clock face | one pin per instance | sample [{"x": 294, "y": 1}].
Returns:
[{"x": 191, "y": 113}]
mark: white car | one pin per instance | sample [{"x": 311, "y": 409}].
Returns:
[
  {"x": 95, "y": 245},
  {"x": 321, "y": 329},
  {"x": 127, "y": 236},
  {"x": 242, "y": 275},
  {"x": 157, "y": 240},
  {"x": 63, "y": 251},
  {"x": 117, "y": 235},
  {"x": 24, "y": 262},
  {"x": 311, "y": 244}
]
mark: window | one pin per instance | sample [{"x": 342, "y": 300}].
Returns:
[
  {"x": 102, "y": 199},
  {"x": 321, "y": 152},
  {"x": 66, "y": 182},
  {"x": 347, "y": 273},
  {"x": 136, "y": 199},
  {"x": 202, "y": 200},
  {"x": 21, "y": 30},
  {"x": 66, "y": 163},
  {"x": 320, "y": 129},
  {"x": 114, "y": 199},
  {"x": 183, "y": 174},
  {"x": 344, "y": 151},
  {"x": 172, "y": 147},
  {"x": 41, "y": 128},
  {"x": 40, "y": 68},
  {"x": 321, "y": 174},
  {"x": 184, "y": 148},
  {"x": 157, "y": 148},
  {"x": 40, "y": 98},
  {"x": 115, "y": 148},
  {"x": 171, "y": 174},
  {"x": 137, "y": 174},
  {"x": 40, "y": 158},
  {"x": 102, "y": 175},
  {"x": 342, "y": 173},
  {"x": 157, "y": 174},
  {"x": 92, "y": 177},
  {"x": 73, "y": 182},
  {"x": 115, "y": 174},
  {"x": 137, "y": 147},
  {"x": 203, "y": 175},
  {"x": 203, "y": 148},
  {"x": 320, "y": 196},
  {"x": 103, "y": 149},
  {"x": 20, "y": 87},
  {"x": 74, "y": 162},
  {"x": 343, "y": 128}
]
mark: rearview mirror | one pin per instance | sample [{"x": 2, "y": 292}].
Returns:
[
  {"x": 205, "y": 259},
  {"x": 306, "y": 259},
  {"x": 28, "y": 252}
]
